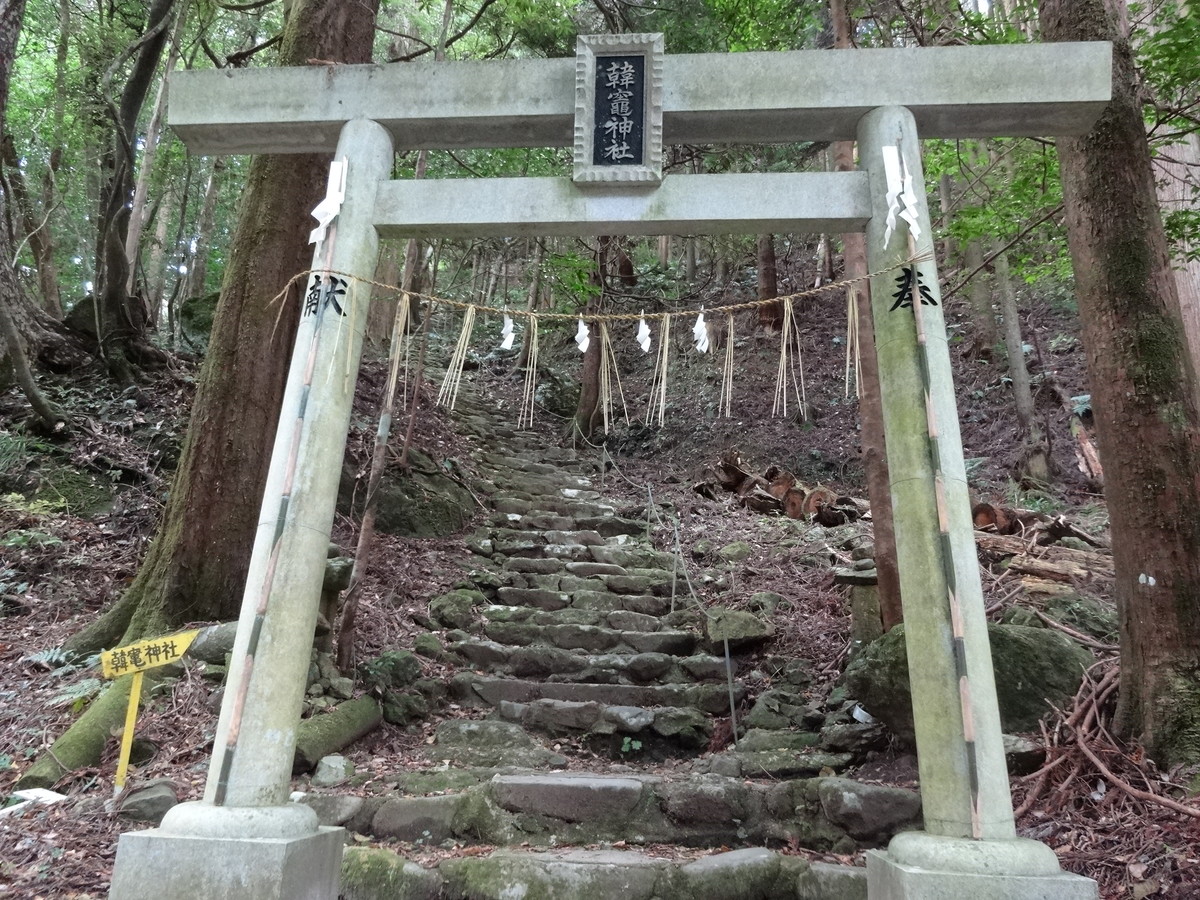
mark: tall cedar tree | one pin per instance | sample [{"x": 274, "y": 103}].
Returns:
[
  {"x": 1143, "y": 395},
  {"x": 196, "y": 566}
]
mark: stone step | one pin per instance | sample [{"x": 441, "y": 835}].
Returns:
[
  {"x": 614, "y": 730},
  {"x": 621, "y": 620},
  {"x": 601, "y": 601},
  {"x": 581, "y": 636},
  {"x": 555, "y": 664},
  {"x": 523, "y": 503},
  {"x": 370, "y": 873},
  {"x": 483, "y": 690},
  {"x": 544, "y": 809}
]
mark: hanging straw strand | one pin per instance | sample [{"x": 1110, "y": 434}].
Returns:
[
  {"x": 448, "y": 395},
  {"x": 725, "y": 402},
  {"x": 525, "y": 416}
]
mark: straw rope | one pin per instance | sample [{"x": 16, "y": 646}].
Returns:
[{"x": 821, "y": 291}]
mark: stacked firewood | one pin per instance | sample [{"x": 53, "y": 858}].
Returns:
[{"x": 777, "y": 491}]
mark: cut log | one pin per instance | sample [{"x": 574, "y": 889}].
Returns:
[
  {"x": 759, "y": 500},
  {"x": 780, "y": 482},
  {"x": 817, "y": 498},
  {"x": 793, "y": 503},
  {"x": 1060, "y": 564},
  {"x": 1027, "y": 523},
  {"x": 329, "y": 732}
]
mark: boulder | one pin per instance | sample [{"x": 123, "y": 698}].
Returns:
[
  {"x": 332, "y": 770},
  {"x": 150, "y": 802},
  {"x": 738, "y": 551},
  {"x": 456, "y": 609},
  {"x": 1033, "y": 666},
  {"x": 370, "y": 873},
  {"x": 490, "y": 743},
  {"x": 868, "y": 810},
  {"x": 392, "y": 669},
  {"x": 741, "y": 629},
  {"x": 425, "y": 502}
]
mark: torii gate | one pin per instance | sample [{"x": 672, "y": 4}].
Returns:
[{"x": 244, "y": 839}]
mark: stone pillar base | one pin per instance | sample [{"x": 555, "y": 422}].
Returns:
[
  {"x": 158, "y": 863},
  {"x": 919, "y": 866}
]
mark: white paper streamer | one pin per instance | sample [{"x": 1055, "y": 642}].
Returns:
[
  {"x": 893, "y": 170},
  {"x": 506, "y": 333},
  {"x": 327, "y": 210},
  {"x": 582, "y": 336},
  {"x": 700, "y": 334},
  {"x": 643, "y": 335},
  {"x": 909, "y": 197},
  {"x": 901, "y": 196}
]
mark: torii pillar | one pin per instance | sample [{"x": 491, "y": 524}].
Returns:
[
  {"x": 245, "y": 840},
  {"x": 968, "y": 849}
]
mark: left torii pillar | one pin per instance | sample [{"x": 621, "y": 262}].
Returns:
[{"x": 244, "y": 839}]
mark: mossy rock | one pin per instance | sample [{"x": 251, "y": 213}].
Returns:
[
  {"x": 456, "y": 609},
  {"x": 422, "y": 503},
  {"x": 1099, "y": 620},
  {"x": 404, "y": 707},
  {"x": 1032, "y": 666},
  {"x": 372, "y": 873},
  {"x": 392, "y": 669}
]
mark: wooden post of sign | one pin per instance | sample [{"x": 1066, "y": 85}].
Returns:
[{"x": 135, "y": 697}]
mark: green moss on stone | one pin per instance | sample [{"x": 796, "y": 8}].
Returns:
[{"x": 370, "y": 873}]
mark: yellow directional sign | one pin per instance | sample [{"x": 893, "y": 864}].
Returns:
[
  {"x": 146, "y": 654},
  {"x": 134, "y": 659}
]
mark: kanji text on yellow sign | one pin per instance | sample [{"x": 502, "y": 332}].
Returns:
[{"x": 146, "y": 654}]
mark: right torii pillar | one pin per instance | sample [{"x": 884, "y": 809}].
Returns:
[{"x": 969, "y": 849}]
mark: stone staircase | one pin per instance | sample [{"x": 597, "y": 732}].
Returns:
[{"x": 602, "y": 687}]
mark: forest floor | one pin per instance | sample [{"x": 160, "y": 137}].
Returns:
[{"x": 77, "y": 514}]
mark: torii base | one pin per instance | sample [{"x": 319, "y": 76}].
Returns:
[
  {"x": 173, "y": 863},
  {"x": 919, "y": 866}
]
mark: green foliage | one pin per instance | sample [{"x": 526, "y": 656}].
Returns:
[
  {"x": 1166, "y": 38},
  {"x": 630, "y": 745},
  {"x": 1002, "y": 199},
  {"x": 22, "y": 538},
  {"x": 570, "y": 277}
]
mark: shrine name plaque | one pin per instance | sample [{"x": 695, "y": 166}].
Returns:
[{"x": 618, "y": 110}]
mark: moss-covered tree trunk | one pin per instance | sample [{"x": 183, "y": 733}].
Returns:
[
  {"x": 1143, "y": 395},
  {"x": 196, "y": 566}
]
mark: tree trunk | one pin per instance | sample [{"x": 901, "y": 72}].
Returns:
[
  {"x": 37, "y": 231},
  {"x": 198, "y": 259},
  {"x": 771, "y": 314},
  {"x": 1177, "y": 171},
  {"x": 874, "y": 446},
  {"x": 137, "y": 214},
  {"x": 979, "y": 297},
  {"x": 196, "y": 567},
  {"x": 1143, "y": 396},
  {"x": 121, "y": 319},
  {"x": 1034, "y": 463}
]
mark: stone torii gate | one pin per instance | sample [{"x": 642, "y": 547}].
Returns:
[{"x": 244, "y": 839}]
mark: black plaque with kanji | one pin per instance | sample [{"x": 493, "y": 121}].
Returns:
[{"x": 618, "y": 137}]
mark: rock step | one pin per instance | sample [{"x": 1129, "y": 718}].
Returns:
[
  {"x": 523, "y": 503},
  {"x": 600, "y": 601},
  {"x": 478, "y": 690},
  {"x": 606, "y": 526},
  {"x": 621, "y": 620},
  {"x": 756, "y": 873},
  {"x": 590, "y": 638},
  {"x": 560, "y": 665}
]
